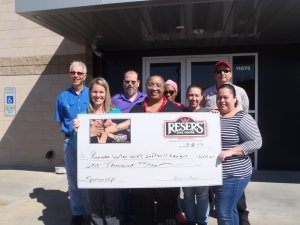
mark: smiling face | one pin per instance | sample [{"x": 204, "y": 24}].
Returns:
[
  {"x": 97, "y": 95},
  {"x": 222, "y": 75},
  {"x": 170, "y": 92},
  {"x": 131, "y": 83},
  {"x": 77, "y": 79},
  {"x": 194, "y": 97},
  {"x": 155, "y": 88},
  {"x": 225, "y": 100}
]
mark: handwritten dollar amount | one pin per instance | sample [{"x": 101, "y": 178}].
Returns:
[{"x": 142, "y": 164}]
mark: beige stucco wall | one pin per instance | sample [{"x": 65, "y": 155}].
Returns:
[{"x": 35, "y": 61}]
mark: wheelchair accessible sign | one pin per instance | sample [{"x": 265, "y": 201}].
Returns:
[{"x": 9, "y": 101}]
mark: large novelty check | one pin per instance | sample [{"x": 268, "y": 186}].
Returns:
[{"x": 149, "y": 150}]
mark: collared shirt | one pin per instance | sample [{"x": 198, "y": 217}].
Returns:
[
  {"x": 124, "y": 104},
  {"x": 68, "y": 105},
  {"x": 209, "y": 98}
]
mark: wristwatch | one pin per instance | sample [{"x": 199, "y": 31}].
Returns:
[{"x": 118, "y": 127}]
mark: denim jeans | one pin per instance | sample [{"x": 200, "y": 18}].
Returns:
[
  {"x": 178, "y": 208},
  {"x": 126, "y": 205},
  {"x": 78, "y": 198},
  {"x": 226, "y": 198},
  {"x": 197, "y": 213}
]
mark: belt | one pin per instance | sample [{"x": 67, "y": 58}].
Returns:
[{"x": 68, "y": 135}]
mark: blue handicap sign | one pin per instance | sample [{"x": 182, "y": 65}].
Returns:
[{"x": 9, "y": 99}]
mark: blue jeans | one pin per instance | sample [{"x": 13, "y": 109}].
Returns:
[
  {"x": 178, "y": 208},
  {"x": 78, "y": 198},
  {"x": 226, "y": 198},
  {"x": 197, "y": 213},
  {"x": 126, "y": 205}
]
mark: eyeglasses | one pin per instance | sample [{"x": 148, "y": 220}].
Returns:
[
  {"x": 130, "y": 81},
  {"x": 151, "y": 85},
  {"x": 220, "y": 71},
  {"x": 78, "y": 73},
  {"x": 169, "y": 92}
]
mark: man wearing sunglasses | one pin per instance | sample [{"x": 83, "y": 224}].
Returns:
[
  {"x": 222, "y": 75},
  {"x": 130, "y": 95},
  {"x": 70, "y": 103}
]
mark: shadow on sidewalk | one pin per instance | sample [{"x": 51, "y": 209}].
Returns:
[
  {"x": 276, "y": 176},
  {"x": 57, "y": 206}
]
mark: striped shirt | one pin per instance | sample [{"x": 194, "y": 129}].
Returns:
[{"x": 239, "y": 130}]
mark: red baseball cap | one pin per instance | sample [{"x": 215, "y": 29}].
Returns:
[{"x": 222, "y": 62}]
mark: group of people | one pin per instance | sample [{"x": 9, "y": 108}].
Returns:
[{"x": 239, "y": 134}]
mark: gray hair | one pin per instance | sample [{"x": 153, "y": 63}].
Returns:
[{"x": 79, "y": 64}]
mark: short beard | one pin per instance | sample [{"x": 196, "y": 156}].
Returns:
[{"x": 130, "y": 92}]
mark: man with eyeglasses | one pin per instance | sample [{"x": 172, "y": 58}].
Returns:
[
  {"x": 125, "y": 100},
  {"x": 130, "y": 95},
  {"x": 222, "y": 75},
  {"x": 70, "y": 103}
]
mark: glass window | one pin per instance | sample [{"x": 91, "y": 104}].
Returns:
[
  {"x": 202, "y": 74},
  {"x": 168, "y": 71},
  {"x": 243, "y": 75}
]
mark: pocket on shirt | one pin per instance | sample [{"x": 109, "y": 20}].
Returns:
[
  {"x": 70, "y": 111},
  {"x": 85, "y": 106}
]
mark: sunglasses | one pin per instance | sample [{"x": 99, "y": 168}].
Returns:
[
  {"x": 78, "y": 73},
  {"x": 169, "y": 92},
  {"x": 130, "y": 81},
  {"x": 225, "y": 71}
]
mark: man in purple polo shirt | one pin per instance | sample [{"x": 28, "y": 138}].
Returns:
[
  {"x": 125, "y": 100},
  {"x": 130, "y": 96}
]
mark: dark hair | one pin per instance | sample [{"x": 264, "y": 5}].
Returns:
[
  {"x": 231, "y": 89},
  {"x": 194, "y": 86},
  {"x": 155, "y": 75}
]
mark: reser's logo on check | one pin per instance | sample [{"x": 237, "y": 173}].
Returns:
[{"x": 185, "y": 126}]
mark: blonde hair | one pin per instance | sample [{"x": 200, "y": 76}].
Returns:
[{"x": 107, "y": 105}]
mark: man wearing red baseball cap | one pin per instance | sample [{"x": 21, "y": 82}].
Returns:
[{"x": 222, "y": 75}]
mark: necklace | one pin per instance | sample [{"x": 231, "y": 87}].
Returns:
[{"x": 159, "y": 109}]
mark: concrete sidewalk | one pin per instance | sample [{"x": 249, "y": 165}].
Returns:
[{"x": 34, "y": 198}]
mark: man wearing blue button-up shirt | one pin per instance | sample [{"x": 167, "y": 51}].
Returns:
[{"x": 70, "y": 103}]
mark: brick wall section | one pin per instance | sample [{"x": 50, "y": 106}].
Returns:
[
  {"x": 35, "y": 61},
  {"x": 38, "y": 65}
]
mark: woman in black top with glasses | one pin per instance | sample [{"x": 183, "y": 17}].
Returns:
[{"x": 166, "y": 198}]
